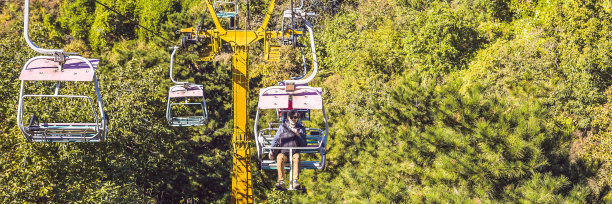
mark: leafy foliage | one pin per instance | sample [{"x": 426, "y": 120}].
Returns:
[{"x": 429, "y": 101}]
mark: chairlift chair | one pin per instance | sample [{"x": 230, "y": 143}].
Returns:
[
  {"x": 288, "y": 95},
  {"x": 75, "y": 68},
  {"x": 186, "y": 91},
  {"x": 303, "y": 98},
  {"x": 220, "y": 5},
  {"x": 59, "y": 66},
  {"x": 272, "y": 48},
  {"x": 293, "y": 94}
]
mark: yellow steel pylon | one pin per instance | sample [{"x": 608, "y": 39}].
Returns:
[{"x": 240, "y": 40}]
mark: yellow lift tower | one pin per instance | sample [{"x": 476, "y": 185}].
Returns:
[{"x": 240, "y": 40}]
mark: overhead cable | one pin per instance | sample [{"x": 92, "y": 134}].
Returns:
[{"x": 137, "y": 24}]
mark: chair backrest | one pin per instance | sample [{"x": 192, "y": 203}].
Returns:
[
  {"x": 189, "y": 91},
  {"x": 45, "y": 69},
  {"x": 304, "y": 97}
]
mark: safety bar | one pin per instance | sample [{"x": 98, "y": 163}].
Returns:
[
  {"x": 100, "y": 119},
  {"x": 67, "y": 96},
  {"x": 168, "y": 115},
  {"x": 291, "y": 162},
  {"x": 169, "y": 108}
]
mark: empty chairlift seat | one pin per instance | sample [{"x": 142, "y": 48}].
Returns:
[
  {"x": 186, "y": 91},
  {"x": 226, "y": 8},
  {"x": 77, "y": 69}
]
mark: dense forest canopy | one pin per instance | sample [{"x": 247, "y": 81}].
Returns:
[{"x": 428, "y": 101}]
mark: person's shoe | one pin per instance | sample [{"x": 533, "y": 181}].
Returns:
[
  {"x": 280, "y": 184},
  {"x": 296, "y": 185},
  {"x": 271, "y": 156}
]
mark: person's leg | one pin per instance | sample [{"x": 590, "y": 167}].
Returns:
[
  {"x": 280, "y": 163},
  {"x": 296, "y": 166}
]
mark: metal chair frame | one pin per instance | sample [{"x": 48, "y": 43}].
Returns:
[
  {"x": 317, "y": 143},
  {"x": 186, "y": 120},
  {"x": 59, "y": 132},
  {"x": 63, "y": 132},
  {"x": 189, "y": 91}
]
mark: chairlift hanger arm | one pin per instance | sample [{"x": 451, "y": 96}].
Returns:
[
  {"x": 26, "y": 33},
  {"x": 174, "y": 49},
  {"x": 315, "y": 63}
]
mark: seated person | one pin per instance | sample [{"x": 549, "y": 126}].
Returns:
[{"x": 291, "y": 133}]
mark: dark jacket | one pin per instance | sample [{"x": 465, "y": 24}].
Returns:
[{"x": 286, "y": 138}]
